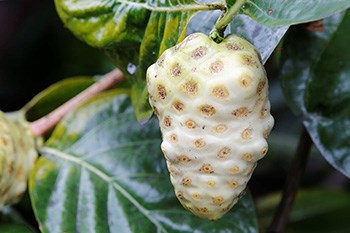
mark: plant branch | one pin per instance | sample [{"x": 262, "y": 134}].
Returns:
[
  {"x": 218, "y": 31},
  {"x": 297, "y": 169},
  {"x": 46, "y": 124}
]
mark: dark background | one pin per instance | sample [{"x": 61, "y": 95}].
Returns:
[{"x": 36, "y": 50}]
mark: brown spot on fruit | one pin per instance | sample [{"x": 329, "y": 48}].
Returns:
[
  {"x": 199, "y": 52},
  {"x": 218, "y": 200},
  {"x": 260, "y": 87},
  {"x": 179, "y": 195},
  {"x": 234, "y": 169},
  {"x": 196, "y": 196},
  {"x": 174, "y": 171},
  {"x": 206, "y": 168},
  {"x": 161, "y": 92},
  {"x": 190, "y": 124},
  {"x": 245, "y": 80},
  {"x": 175, "y": 70},
  {"x": 184, "y": 159},
  {"x": 233, "y": 184},
  {"x": 179, "y": 106},
  {"x": 191, "y": 88},
  {"x": 248, "y": 157},
  {"x": 160, "y": 61},
  {"x": 224, "y": 152},
  {"x": 248, "y": 60},
  {"x": 241, "y": 112},
  {"x": 266, "y": 134},
  {"x": 216, "y": 67},
  {"x": 155, "y": 109},
  {"x": 167, "y": 121},
  {"x": 177, "y": 47},
  {"x": 204, "y": 210},
  {"x": 220, "y": 128},
  {"x": 173, "y": 138},
  {"x": 191, "y": 37},
  {"x": 220, "y": 92},
  {"x": 207, "y": 110},
  {"x": 259, "y": 102},
  {"x": 211, "y": 183},
  {"x": 227, "y": 208},
  {"x": 186, "y": 181},
  {"x": 247, "y": 134},
  {"x": 3, "y": 140},
  {"x": 234, "y": 46},
  {"x": 264, "y": 151},
  {"x": 199, "y": 143},
  {"x": 263, "y": 113}
]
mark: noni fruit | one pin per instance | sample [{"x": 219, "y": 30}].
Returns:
[
  {"x": 17, "y": 157},
  {"x": 214, "y": 113}
]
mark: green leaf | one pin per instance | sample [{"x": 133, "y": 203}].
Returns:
[
  {"x": 134, "y": 33},
  {"x": 55, "y": 95},
  {"x": 315, "y": 80},
  {"x": 13, "y": 228},
  {"x": 285, "y": 12},
  {"x": 101, "y": 171}
]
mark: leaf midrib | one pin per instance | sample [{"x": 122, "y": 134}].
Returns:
[
  {"x": 180, "y": 7},
  {"x": 107, "y": 179}
]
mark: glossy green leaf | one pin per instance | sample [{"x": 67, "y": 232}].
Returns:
[
  {"x": 315, "y": 210},
  {"x": 55, "y": 95},
  {"x": 134, "y": 33},
  {"x": 101, "y": 171},
  {"x": 315, "y": 79},
  {"x": 285, "y": 12}
]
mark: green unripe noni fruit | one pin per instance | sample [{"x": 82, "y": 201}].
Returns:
[
  {"x": 17, "y": 157},
  {"x": 212, "y": 103}
]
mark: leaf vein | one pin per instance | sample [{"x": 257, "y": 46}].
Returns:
[{"x": 107, "y": 179}]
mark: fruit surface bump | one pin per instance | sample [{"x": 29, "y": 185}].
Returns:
[
  {"x": 214, "y": 114},
  {"x": 17, "y": 157}
]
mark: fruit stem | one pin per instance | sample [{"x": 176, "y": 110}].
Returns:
[
  {"x": 295, "y": 172},
  {"x": 47, "y": 123},
  {"x": 217, "y": 33}
]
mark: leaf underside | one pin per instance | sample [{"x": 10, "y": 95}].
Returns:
[{"x": 101, "y": 171}]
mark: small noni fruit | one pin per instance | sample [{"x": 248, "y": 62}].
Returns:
[
  {"x": 212, "y": 104},
  {"x": 17, "y": 157}
]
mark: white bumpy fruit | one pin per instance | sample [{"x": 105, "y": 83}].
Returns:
[
  {"x": 17, "y": 157},
  {"x": 212, "y": 104}
]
